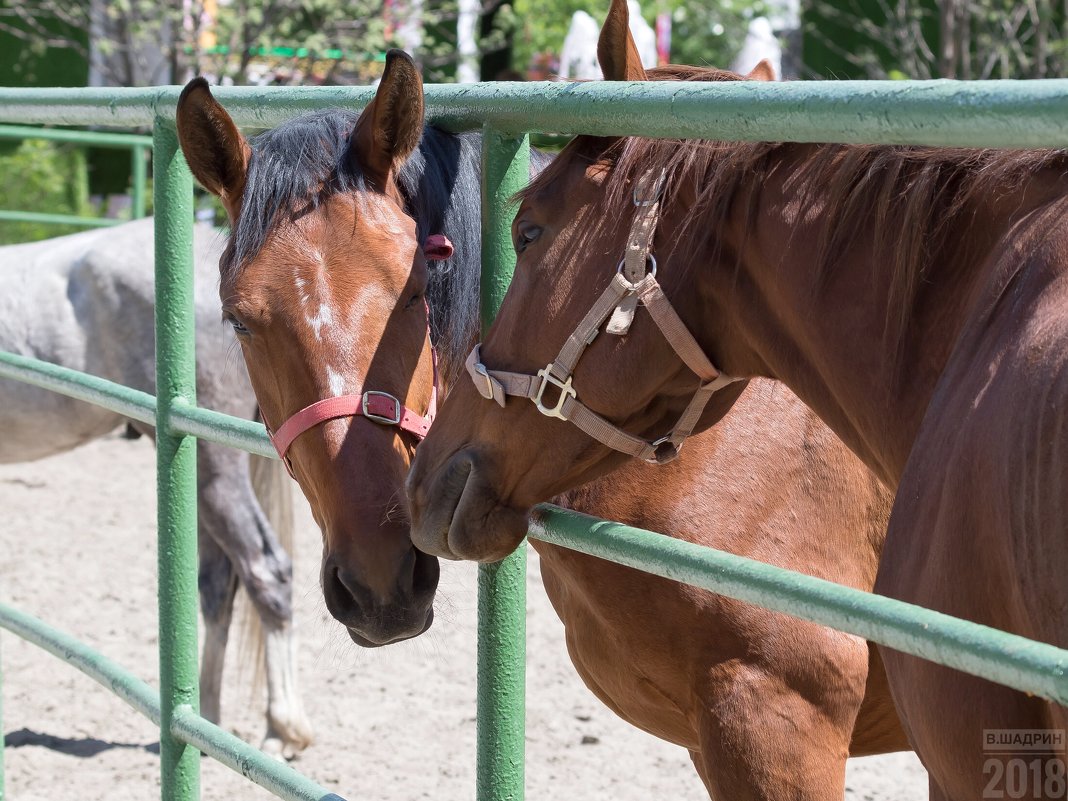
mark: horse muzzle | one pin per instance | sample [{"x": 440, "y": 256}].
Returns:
[{"x": 458, "y": 514}]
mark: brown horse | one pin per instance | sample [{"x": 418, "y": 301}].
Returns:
[
  {"x": 323, "y": 282},
  {"x": 914, "y": 298}
]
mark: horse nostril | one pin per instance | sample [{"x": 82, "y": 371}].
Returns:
[
  {"x": 342, "y": 593},
  {"x": 425, "y": 574}
]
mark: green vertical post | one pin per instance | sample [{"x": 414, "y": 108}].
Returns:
[
  {"x": 502, "y": 588},
  {"x": 175, "y": 460},
  {"x": 138, "y": 177}
]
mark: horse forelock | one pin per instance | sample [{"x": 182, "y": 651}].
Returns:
[{"x": 294, "y": 167}]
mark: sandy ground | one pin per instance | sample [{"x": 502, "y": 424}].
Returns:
[{"x": 77, "y": 548}]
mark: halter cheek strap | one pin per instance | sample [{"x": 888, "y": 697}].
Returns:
[{"x": 634, "y": 283}]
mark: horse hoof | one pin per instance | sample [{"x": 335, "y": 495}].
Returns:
[
  {"x": 273, "y": 747},
  {"x": 289, "y": 745}
]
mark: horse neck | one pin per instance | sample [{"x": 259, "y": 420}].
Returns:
[{"x": 865, "y": 355}]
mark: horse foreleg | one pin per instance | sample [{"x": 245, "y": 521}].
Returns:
[
  {"x": 762, "y": 740},
  {"x": 218, "y": 586}
]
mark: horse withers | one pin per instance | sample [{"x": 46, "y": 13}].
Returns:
[
  {"x": 913, "y": 297},
  {"x": 87, "y": 302}
]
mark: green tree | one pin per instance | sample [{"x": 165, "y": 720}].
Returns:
[
  {"x": 44, "y": 177},
  {"x": 965, "y": 39}
]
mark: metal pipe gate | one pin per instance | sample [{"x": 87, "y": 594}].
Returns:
[
  {"x": 979, "y": 114},
  {"x": 137, "y": 144}
]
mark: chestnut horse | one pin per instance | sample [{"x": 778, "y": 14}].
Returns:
[
  {"x": 324, "y": 281},
  {"x": 915, "y": 298}
]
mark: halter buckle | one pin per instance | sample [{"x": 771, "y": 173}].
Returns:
[
  {"x": 566, "y": 391},
  {"x": 392, "y": 420},
  {"x": 658, "y": 187}
]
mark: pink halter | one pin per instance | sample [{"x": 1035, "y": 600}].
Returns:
[{"x": 378, "y": 407}]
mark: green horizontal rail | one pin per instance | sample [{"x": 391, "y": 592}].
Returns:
[
  {"x": 941, "y": 112},
  {"x": 239, "y": 756},
  {"x": 224, "y": 429},
  {"x": 88, "y": 138},
  {"x": 267, "y": 772},
  {"x": 995, "y": 655},
  {"x": 136, "y": 143},
  {"x": 93, "y": 664},
  {"x": 129, "y": 402},
  {"x": 1008, "y": 659},
  {"x": 59, "y": 219},
  {"x": 137, "y": 405}
]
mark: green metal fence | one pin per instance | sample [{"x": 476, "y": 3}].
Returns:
[
  {"x": 138, "y": 146},
  {"x": 990, "y": 114}
]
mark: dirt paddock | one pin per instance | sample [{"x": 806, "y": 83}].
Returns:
[{"x": 77, "y": 548}]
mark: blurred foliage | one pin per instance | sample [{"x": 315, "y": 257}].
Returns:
[
  {"x": 706, "y": 34},
  {"x": 326, "y": 41},
  {"x": 964, "y": 39},
  {"x": 43, "y": 177},
  {"x": 710, "y": 34},
  {"x": 28, "y": 56}
]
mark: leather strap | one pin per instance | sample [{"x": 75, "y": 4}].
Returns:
[
  {"x": 379, "y": 407},
  {"x": 633, "y": 284}
]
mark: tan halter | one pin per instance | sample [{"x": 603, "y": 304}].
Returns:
[{"x": 634, "y": 282}]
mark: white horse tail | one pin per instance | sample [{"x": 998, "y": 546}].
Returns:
[
  {"x": 275, "y": 654},
  {"x": 274, "y": 493}
]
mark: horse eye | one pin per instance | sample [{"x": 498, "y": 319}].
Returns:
[
  {"x": 418, "y": 296},
  {"x": 525, "y": 235},
  {"x": 237, "y": 325}
]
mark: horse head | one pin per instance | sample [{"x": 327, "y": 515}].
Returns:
[
  {"x": 601, "y": 360},
  {"x": 323, "y": 281}
]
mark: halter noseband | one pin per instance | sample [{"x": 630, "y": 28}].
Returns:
[
  {"x": 634, "y": 282},
  {"x": 378, "y": 407}
]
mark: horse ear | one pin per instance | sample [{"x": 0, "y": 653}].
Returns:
[
  {"x": 215, "y": 150},
  {"x": 616, "y": 51},
  {"x": 390, "y": 128},
  {"x": 762, "y": 72}
]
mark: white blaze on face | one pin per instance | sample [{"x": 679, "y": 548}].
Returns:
[
  {"x": 317, "y": 300},
  {"x": 337, "y": 382},
  {"x": 343, "y": 331},
  {"x": 322, "y": 318}
]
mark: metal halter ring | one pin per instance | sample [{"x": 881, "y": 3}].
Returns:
[
  {"x": 656, "y": 459},
  {"x": 650, "y": 260}
]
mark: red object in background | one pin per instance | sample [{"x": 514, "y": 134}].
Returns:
[
  {"x": 543, "y": 67},
  {"x": 663, "y": 39},
  {"x": 387, "y": 14}
]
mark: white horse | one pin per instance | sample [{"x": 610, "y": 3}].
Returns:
[{"x": 86, "y": 302}]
